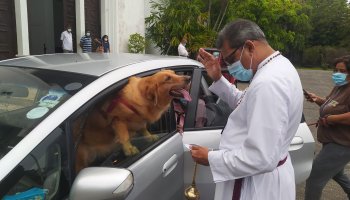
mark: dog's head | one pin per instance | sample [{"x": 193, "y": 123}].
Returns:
[{"x": 165, "y": 85}]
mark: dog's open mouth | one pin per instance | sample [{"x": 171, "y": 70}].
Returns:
[{"x": 180, "y": 93}]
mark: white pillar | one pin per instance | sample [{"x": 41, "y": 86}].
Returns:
[
  {"x": 80, "y": 21},
  {"x": 22, "y": 27},
  {"x": 109, "y": 19}
]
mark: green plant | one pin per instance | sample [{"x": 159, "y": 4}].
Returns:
[
  {"x": 136, "y": 43},
  {"x": 170, "y": 21}
]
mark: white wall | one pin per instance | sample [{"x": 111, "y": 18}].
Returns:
[
  {"x": 22, "y": 27},
  {"x": 130, "y": 20},
  {"x": 120, "y": 19}
]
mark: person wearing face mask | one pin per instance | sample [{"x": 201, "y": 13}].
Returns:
[
  {"x": 103, "y": 44},
  {"x": 252, "y": 161},
  {"x": 86, "y": 42},
  {"x": 67, "y": 40},
  {"x": 182, "y": 48},
  {"x": 333, "y": 131}
]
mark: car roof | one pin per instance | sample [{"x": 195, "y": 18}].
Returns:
[{"x": 95, "y": 64}]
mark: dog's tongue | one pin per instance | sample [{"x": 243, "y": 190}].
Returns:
[{"x": 185, "y": 94}]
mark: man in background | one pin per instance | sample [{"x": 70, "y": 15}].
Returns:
[
  {"x": 86, "y": 42},
  {"x": 182, "y": 49},
  {"x": 67, "y": 40}
]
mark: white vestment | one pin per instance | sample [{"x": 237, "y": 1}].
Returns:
[{"x": 258, "y": 133}]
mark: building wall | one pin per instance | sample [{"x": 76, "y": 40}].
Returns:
[
  {"x": 131, "y": 20},
  {"x": 8, "y": 41},
  {"x": 119, "y": 19},
  {"x": 41, "y": 27}
]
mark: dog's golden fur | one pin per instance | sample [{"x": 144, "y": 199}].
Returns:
[{"x": 119, "y": 117}]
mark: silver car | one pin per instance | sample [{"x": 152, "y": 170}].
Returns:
[{"x": 42, "y": 96}]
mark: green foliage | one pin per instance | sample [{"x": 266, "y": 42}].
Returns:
[
  {"x": 284, "y": 22},
  {"x": 136, "y": 43},
  {"x": 170, "y": 21},
  {"x": 330, "y": 20},
  {"x": 322, "y": 56},
  {"x": 309, "y": 32}
]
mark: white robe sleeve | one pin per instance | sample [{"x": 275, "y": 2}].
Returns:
[
  {"x": 226, "y": 91},
  {"x": 267, "y": 118}
]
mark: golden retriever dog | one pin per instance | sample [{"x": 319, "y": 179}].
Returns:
[{"x": 119, "y": 117}]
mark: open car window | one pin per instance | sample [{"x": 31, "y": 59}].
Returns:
[
  {"x": 106, "y": 145},
  {"x": 211, "y": 111}
]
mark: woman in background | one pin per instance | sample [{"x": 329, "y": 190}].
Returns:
[
  {"x": 333, "y": 132},
  {"x": 104, "y": 46}
]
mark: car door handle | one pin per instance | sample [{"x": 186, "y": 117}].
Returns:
[
  {"x": 296, "y": 143},
  {"x": 169, "y": 165}
]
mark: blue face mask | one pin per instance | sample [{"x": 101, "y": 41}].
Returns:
[
  {"x": 237, "y": 70},
  {"x": 339, "y": 78}
]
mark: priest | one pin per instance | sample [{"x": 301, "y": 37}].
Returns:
[{"x": 252, "y": 161}]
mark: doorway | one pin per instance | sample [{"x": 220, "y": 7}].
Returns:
[
  {"x": 41, "y": 26},
  {"x": 8, "y": 40}
]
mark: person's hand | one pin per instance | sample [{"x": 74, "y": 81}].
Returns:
[
  {"x": 200, "y": 154},
  {"x": 210, "y": 63},
  {"x": 311, "y": 97},
  {"x": 323, "y": 121}
]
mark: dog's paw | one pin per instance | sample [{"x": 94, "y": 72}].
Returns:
[
  {"x": 152, "y": 138},
  {"x": 130, "y": 150}
]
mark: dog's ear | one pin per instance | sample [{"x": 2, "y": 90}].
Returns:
[{"x": 152, "y": 93}]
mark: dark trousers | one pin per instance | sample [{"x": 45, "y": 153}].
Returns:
[{"x": 328, "y": 164}]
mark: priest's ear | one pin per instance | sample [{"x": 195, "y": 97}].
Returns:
[{"x": 250, "y": 45}]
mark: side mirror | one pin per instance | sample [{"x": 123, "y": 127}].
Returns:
[{"x": 102, "y": 183}]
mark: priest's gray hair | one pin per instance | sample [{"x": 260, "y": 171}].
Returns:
[{"x": 239, "y": 31}]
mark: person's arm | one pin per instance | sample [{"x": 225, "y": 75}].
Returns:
[
  {"x": 221, "y": 87},
  {"x": 81, "y": 42},
  {"x": 320, "y": 100},
  {"x": 97, "y": 41},
  {"x": 62, "y": 37},
  {"x": 311, "y": 97},
  {"x": 337, "y": 119},
  {"x": 226, "y": 91}
]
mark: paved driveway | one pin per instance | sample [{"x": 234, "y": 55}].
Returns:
[{"x": 320, "y": 83}]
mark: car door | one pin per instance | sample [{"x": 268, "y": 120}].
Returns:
[
  {"x": 203, "y": 126},
  {"x": 43, "y": 174},
  {"x": 158, "y": 169},
  {"x": 159, "y": 174}
]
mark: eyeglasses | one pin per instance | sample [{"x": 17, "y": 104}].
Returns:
[{"x": 226, "y": 59}]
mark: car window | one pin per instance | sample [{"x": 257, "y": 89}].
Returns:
[
  {"x": 99, "y": 133},
  {"x": 27, "y": 96},
  {"x": 211, "y": 111},
  {"x": 42, "y": 174}
]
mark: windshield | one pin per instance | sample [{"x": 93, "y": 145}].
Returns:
[{"x": 27, "y": 96}]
